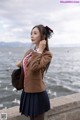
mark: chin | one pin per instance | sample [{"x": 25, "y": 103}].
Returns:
[{"x": 33, "y": 42}]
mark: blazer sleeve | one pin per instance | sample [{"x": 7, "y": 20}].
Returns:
[{"x": 39, "y": 61}]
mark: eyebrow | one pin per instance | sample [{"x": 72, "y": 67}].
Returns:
[{"x": 34, "y": 31}]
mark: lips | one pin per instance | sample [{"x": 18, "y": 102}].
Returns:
[{"x": 32, "y": 39}]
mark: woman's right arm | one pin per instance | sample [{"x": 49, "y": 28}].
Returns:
[{"x": 18, "y": 64}]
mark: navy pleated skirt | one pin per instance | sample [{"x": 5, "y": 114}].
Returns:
[{"x": 32, "y": 104}]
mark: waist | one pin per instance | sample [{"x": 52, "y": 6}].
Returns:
[{"x": 33, "y": 86}]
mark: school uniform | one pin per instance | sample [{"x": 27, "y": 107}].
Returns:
[{"x": 34, "y": 98}]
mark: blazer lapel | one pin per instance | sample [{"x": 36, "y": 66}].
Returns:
[{"x": 30, "y": 58}]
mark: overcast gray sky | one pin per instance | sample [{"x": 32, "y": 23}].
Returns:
[{"x": 17, "y": 17}]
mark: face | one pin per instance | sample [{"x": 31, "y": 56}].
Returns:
[{"x": 35, "y": 36}]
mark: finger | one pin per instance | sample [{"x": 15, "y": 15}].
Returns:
[{"x": 43, "y": 41}]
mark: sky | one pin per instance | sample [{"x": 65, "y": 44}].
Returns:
[{"x": 18, "y": 17}]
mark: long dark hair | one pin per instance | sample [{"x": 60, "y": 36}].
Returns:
[{"x": 46, "y": 33}]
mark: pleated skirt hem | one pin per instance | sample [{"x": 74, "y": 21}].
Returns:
[{"x": 33, "y": 104}]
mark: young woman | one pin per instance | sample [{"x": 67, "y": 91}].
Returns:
[{"x": 34, "y": 100}]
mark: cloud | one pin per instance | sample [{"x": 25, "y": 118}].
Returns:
[{"x": 18, "y": 17}]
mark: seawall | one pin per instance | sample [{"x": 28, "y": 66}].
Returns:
[{"x": 62, "y": 108}]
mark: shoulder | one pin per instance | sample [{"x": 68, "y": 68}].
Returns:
[
  {"x": 47, "y": 53},
  {"x": 27, "y": 52}
]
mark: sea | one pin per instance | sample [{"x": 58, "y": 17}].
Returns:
[{"x": 61, "y": 79}]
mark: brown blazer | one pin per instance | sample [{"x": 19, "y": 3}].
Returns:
[{"x": 35, "y": 71}]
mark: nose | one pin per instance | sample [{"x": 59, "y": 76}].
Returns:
[{"x": 31, "y": 36}]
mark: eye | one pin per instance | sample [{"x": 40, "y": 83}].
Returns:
[{"x": 35, "y": 33}]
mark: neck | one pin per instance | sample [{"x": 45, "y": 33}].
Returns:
[{"x": 37, "y": 46}]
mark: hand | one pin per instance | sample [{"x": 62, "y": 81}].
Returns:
[
  {"x": 42, "y": 45},
  {"x": 18, "y": 64}
]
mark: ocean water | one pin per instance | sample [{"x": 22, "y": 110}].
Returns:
[{"x": 62, "y": 78}]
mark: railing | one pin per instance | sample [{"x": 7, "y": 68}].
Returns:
[{"x": 62, "y": 108}]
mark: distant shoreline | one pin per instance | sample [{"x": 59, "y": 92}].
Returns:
[{"x": 28, "y": 44}]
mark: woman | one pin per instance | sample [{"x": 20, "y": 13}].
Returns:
[{"x": 34, "y": 100}]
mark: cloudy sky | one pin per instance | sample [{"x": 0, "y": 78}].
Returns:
[{"x": 17, "y": 17}]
